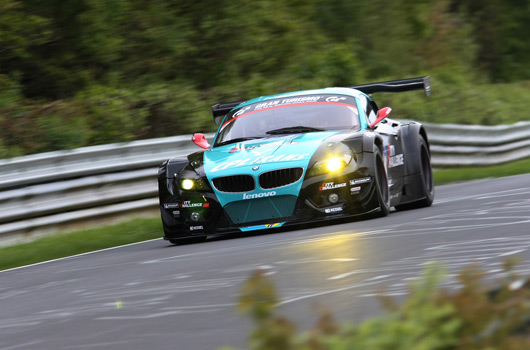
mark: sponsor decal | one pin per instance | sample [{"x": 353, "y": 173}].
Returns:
[
  {"x": 395, "y": 161},
  {"x": 206, "y": 205},
  {"x": 266, "y": 105},
  {"x": 333, "y": 210},
  {"x": 286, "y": 101},
  {"x": 261, "y": 227},
  {"x": 331, "y": 185},
  {"x": 189, "y": 204},
  {"x": 259, "y": 160},
  {"x": 392, "y": 160},
  {"x": 176, "y": 213},
  {"x": 241, "y": 111},
  {"x": 171, "y": 205},
  {"x": 391, "y": 150},
  {"x": 396, "y": 195},
  {"x": 355, "y": 190},
  {"x": 360, "y": 181},
  {"x": 195, "y": 228},
  {"x": 259, "y": 195},
  {"x": 335, "y": 99}
]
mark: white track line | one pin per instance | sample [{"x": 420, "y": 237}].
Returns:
[{"x": 74, "y": 256}]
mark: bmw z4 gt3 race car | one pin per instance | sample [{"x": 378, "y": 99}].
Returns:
[{"x": 298, "y": 157}]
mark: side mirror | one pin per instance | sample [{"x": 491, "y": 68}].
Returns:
[
  {"x": 381, "y": 115},
  {"x": 200, "y": 140}
]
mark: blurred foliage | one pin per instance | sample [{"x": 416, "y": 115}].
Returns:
[
  {"x": 471, "y": 317},
  {"x": 82, "y": 72}
]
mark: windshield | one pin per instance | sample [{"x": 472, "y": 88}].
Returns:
[{"x": 296, "y": 114}]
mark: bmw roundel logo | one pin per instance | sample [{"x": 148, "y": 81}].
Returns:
[{"x": 255, "y": 167}]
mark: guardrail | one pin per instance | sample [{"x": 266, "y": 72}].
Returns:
[
  {"x": 86, "y": 161},
  {"x": 47, "y": 192},
  {"x": 476, "y": 145}
]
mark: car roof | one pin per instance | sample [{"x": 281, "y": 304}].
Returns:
[{"x": 327, "y": 91}]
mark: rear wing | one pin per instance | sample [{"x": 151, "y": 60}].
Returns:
[
  {"x": 422, "y": 83},
  {"x": 221, "y": 109},
  {"x": 403, "y": 85}
]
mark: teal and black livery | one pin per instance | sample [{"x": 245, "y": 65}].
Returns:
[{"x": 295, "y": 158}]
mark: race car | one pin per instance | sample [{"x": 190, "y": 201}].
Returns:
[{"x": 295, "y": 158}]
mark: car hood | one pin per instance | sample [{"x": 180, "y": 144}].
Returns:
[
  {"x": 241, "y": 157},
  {"x": 257, "y": 156}
]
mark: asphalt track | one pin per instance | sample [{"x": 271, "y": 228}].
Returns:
[{"x": 156, "y": 296}]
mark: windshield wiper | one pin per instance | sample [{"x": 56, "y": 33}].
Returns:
[
  {"x": 293, "y": 130},
  {"x": 239, "y": 139}
]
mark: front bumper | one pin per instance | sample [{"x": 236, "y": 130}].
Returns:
[{"x": 322, "y": 198}]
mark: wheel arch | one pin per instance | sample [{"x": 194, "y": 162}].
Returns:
[
  {"x": 378, "y": 142},
  {"x": 423, "y": 134},
  {"x": 416, "y": 191},
  {"x": 411, "y": 133},
  {"x": 370, "y": 140}
]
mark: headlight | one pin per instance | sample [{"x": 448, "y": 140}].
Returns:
[
  {"x": 335, "y": 163},
  {"x": 337, "y": 159},
  {"x": 192, "y": 184},
  {"x": 187, "y": 184}
]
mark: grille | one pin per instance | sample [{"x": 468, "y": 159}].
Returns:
[
  {"x": 234, "y": 183},
  {"x": 280, "y": 177},
  {"x": 252, "y": 210}
]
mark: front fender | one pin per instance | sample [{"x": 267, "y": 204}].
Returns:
[
  {"x": 166, "y": 176},
  {"x": 364, "y": 142}
]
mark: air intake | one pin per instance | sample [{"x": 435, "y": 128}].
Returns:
[
  {"x": 280, "y": 177},
  {"x": 234, "y": 183}
]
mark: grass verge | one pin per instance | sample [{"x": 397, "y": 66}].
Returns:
[
  {"x": 67, "y": 244},
  {"x": 446, "y": 176},
  {"x": 72, "y": 243}
]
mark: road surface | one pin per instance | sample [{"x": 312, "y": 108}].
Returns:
[{"x": 156, "y": 296}]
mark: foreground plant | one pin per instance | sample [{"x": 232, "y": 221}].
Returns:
[{"x": 431, "y": 318}]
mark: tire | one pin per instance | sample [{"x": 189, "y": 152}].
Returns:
[
  {"x": 381, "y": 188},
  {"x": 426, "y": 186},
  {"x": 182, "y": 241}
]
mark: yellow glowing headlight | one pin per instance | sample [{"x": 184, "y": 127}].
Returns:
[
  {"x": 191, "y": 184},
  {"x": 335, "y": 163},
  {"x": 338, "y": 159},
  {"x": 187, "y": 184}
]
